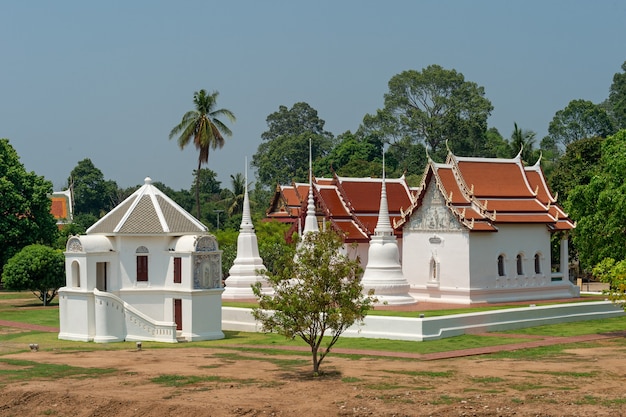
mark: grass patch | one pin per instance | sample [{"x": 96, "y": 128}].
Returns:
[
  {"x": 427, "y": 374},
  {"x": 528, "y": 386},
  {"x": 170, "y": 380},
  {"x": 383, "y": 386},
  {"x": 350, "y": 379},
  {"x": 487, "y": 380},
  {"x": 566, "y": 374},
  {"x": 576, "y": 328},
  {"x": 28, "y": 370},
  {"x": 445, "y": 400}
]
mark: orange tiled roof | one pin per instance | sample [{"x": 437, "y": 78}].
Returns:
[
  {"x": 485, "y": 192},
  {"x": 480, "y": 192},
  {"x": 349, "y": 204}
]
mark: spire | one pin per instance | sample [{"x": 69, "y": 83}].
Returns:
[
  {"x": 383, "y": 227},
  {"x": 246, "y": 219},
  {"x": 246, "y": 265},
  {"x": 310, "y": 223}
]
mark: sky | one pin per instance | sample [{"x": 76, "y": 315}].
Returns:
[{"x": 108, "y": 80}]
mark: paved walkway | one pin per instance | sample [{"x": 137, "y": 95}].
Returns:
[{"x": 538, "y": 342}]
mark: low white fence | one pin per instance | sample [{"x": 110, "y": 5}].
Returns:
[{"x": 431, "y": 328}]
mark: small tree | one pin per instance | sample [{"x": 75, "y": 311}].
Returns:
[
  {"x": 614, "y": 273},
  {"x": 318, "y": 293},
  {"x": 36, "y": 268}
]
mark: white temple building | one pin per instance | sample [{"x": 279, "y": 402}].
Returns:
[
  {"x": 147, "y": 270},
  {"x": 247, "y": 266},
  {"x": 477, "y": 230}
]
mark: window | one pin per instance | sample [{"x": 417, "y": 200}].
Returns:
[
  {"x": 537, "y": 264},
  {"x": 520, "y": 267},
  {"x": 142, "y": 264},
  {"x": 501, "y": 271},
  {"x": 177, "y": 274}
]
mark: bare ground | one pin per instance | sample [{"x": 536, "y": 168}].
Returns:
[{"x": 230, "y": 382}]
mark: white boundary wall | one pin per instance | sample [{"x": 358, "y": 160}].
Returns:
[{"x": 432, "y": 328}]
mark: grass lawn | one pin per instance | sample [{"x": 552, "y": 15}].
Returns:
[{"x": 25, "y": 308}]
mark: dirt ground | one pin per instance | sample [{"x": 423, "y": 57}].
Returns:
[{"x": 230, "y": 382}]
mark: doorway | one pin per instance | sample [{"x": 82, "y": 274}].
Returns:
[{"x": 178, "y": 313}]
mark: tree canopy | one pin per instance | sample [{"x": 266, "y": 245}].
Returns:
[
  {"x": 436, "y": 105},
  {"x": 580, "y": 119},
  {"x": 283, "y": 156},
  {"x": 301, "y": 118},
  {"x": 599, "y": 207},
  {"x": 25, "y": 216},
  {"x": 36, "y": 268},
  {"x": 317, "y": 293},
  {"x": 617, "y": 98},
  {"x": 92, "y": 193}
]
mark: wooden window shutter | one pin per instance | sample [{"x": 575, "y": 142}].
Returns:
[
  {"x": 177, "y": 270},
  {"x": 142, "y": 268}
]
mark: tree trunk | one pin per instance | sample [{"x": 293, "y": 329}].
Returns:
[
  {"x": 198, "y": 189},
  {"x": 316, "y": 364}
]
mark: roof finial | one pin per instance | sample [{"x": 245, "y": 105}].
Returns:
[
  {"x": 310, "y": 222},
  {"x": 383, "y": 227}
]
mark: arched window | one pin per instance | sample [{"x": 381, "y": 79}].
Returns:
[
  {"x": 501, "y": 271},
  {"x": 520, "y": 266},
  {"x": 75, "y": 274},
  {"x": 537, "y": 264},
  {"x": 142, "y": 263}
]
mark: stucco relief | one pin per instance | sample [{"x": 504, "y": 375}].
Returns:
[
  {"x": 434, "y": 215},
  {"x": 207, "y": 271},
  {"x": 74, "y": 245},
  {"x": 206, "y": 244}
]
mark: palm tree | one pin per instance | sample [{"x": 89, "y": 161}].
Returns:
[
  {"x": 522, "y": 141},
  {"x": 235, "y": 202},
  {"x": 204, "y": 128}
]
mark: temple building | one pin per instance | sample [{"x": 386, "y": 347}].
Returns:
[
  {"x": 147, "y": 270},
  {"x": 476, "y": 230}
]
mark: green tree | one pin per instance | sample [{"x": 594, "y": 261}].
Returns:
[
  {"x": 24, "y": 206},
  {"x": 599, "y": 207},
  {"x": 317, "y": 295},
  {"x": 523, "y": 141},
  {"x": 352, "y": 156},
  {"x": 580, "y": 119},
  {"x": 301, "y": 118},
  {"x": 495, "y": 145},
  {"x": 283, "y": 155},
  {"x": 617, "y": 98},
  {"x": 613, "y": 273},
  {"x": 437, "y": 105},
  {"x": 203, "y": 127},
  {"x": 92, "y": 193},
  {"x": 36, "y": 268},
  {"x": 579, "y": 164},
  {"x": 236, "y": 195}
]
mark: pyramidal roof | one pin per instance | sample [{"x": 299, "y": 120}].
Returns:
[{"x": 148, "y": 211}]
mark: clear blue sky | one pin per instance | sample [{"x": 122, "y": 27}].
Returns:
[{"x": 108, "y": 80}]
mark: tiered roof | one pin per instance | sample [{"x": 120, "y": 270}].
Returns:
[
  {"x": 350, "y": 204},
  {"x": 485, "y": 192},
  {"x": 480, "y": 192}
]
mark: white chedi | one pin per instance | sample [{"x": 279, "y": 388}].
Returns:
[
  {"x": 245, "y": 270},
  {"x": 383, "y": 272}
]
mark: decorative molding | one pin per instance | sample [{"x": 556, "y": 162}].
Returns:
[
  {"x": 74, "y": 245},
  {"x": 434, "y": 215},
  {"x": 207, "y": 270},
  {"x": 206, "y": 244}
]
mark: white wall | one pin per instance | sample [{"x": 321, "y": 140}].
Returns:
[{"x": 510, "y": 240}]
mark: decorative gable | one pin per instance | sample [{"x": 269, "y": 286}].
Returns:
[{"x": 434, "y": 215}]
